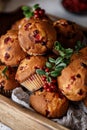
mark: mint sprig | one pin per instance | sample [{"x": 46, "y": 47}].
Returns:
[
  {"x": 55, "y": 66},
  {"x": 29, "y": 11}
]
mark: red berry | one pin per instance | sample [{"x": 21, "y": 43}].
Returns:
[
  {"x": 44, "y": 78},
  {"x": 47, "y": 70},
  {"x": 36, "y": 15},
  {"x": 54, "y": 80},
  {"x": 41, "y": 12},
  {"x": 48, "y": 90},
  {"x": 46, "y": 86},
  {"x": 7, "y": 39},
  {"x": 36, "y": 12}
]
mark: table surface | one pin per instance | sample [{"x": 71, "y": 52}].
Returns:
[{"x": 52, "y": 7}]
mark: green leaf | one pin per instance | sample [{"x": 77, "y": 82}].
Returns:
[
  {"x": 29, "y": 15},
  {"x": 48, "y": 64},
  {"x": 49, "y": 79},
  {"x": 59, "y": 69},
  {"x": 26, "y": 8},
  {"x": 54, "y": 73},
  {"x": 40, "y": 72},
  {"x": 51, "y": 60},
  {"x": 58, "y": 60},
  {"x": 62, "y": 65},
  {"x": 36, "y": 6}
]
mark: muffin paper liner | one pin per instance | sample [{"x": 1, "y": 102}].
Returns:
[{"x": 33, "y": 83}]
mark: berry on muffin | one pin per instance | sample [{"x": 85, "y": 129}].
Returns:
[
  {"x": 26, "y": 72},
  {"x": 49, "y": 104},
  {"x": 10, "y": 51},
  {"x": 72, "y": 81},
  {"x": 39, "y": 36}
]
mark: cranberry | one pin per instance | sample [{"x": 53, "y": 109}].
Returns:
[
  {"x": 73, "y": 78},
  {"x": 47, "y": 70},
  {"x": 7, "y": 39},
  {"x": 42, "y": 12},
  {"x": 7, "y": 56},
  {"x": 27, "y": 26},
  {"x": 44, "y": 78},
  {"x": 80, "y": 92},
  {"x": 48, "y": 89},
  {"x": 54, "y": 80},
  {"x": 38, "y": 13},
  {"x": 35, "y": 32}
]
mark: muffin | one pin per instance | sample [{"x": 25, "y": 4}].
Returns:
[
  {"x": 49, "y": 104},
  {"x": 68, "y": 33},
  {"x": 7, "y": 80},
  {"x": 10, "y": 51},
  {"x": 18, "y": 24},
  {"x": 73, "y": 80},
  {"x": 26, "y": 72},
  {"x": 39, "y": 36}
]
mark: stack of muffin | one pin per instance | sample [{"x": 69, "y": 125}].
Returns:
[{"x": 26, "y": 47}]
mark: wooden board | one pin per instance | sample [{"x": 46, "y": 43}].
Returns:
[{"x": 19, "y": 118}]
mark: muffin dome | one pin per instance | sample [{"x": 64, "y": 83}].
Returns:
[
  {"x": 10, "y": 51},
  {"x": 68, "y": 33},
  {"x": 26, "y": 73},
  {"x": 49, "y": 104},
  {"x": 37, "y": 36},
  {"x": 18, "y": 24},
  {"x": 72, "y": 81}
]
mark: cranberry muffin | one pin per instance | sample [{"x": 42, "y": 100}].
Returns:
[
  {"x": 10, "y": 51},
  {"x": 49, "y": 104},
  {"x": 39, "y": 36},
  {"x": 7, "y": 80},
  {"x": 68, "y": 33},
  {"x": 73, "y": 80},
  {"x": 18, "y": 23},
  {"x": 26, "y": 72}
]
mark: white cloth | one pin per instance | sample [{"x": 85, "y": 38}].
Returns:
[{"x": 75, "y": 119}]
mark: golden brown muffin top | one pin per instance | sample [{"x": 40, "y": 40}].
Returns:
[
  {"x": 28, "y": 67},
  {"x": 72, "y": 81},
  {"x": 51, "y": 104},
  {"x": 10, "y": 51},
  {"x": 68, "y": 33},
  {"x": 39, "y": 36},
  {"x": 18, "y": 24}
]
